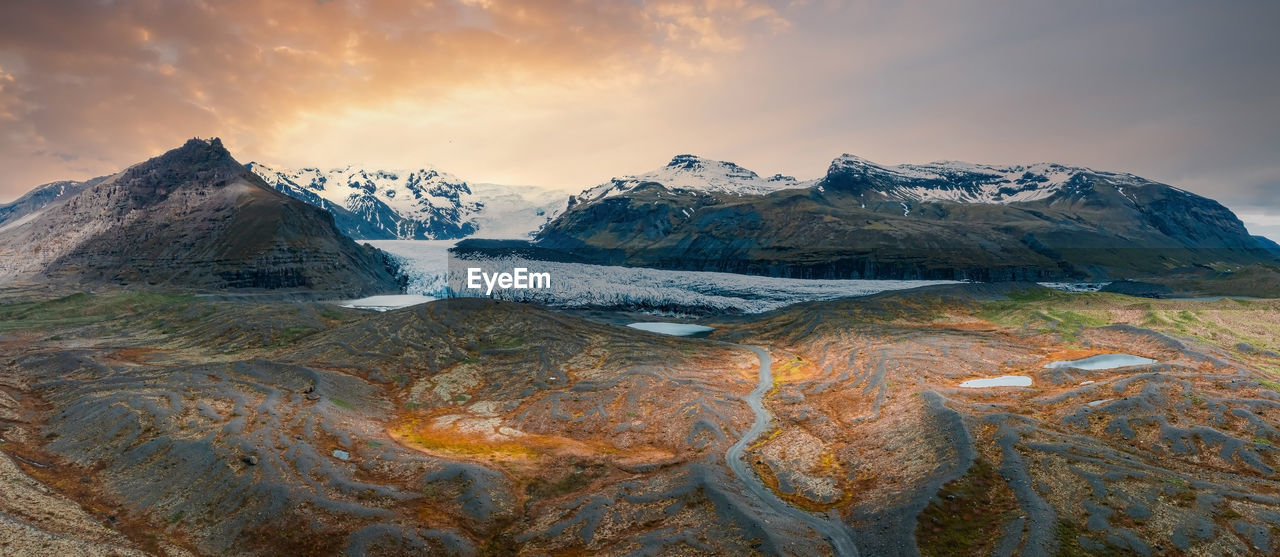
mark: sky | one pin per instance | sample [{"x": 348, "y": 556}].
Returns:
[{"x": 565, "y": 94}]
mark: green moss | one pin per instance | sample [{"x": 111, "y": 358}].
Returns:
[
  {"x": 1068, "y": 534},
  {"x": 967, "y": 515},
  {"x": 330, "y": 312},
  {"x": 290, "y": 335},
  {"x": 83, "y": 308},
  {"x": 1273, "y": 385},
  {"x": 1178, "y": 482}
]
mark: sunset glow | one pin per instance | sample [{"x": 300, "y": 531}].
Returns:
[{"x": 568, "y": 94}]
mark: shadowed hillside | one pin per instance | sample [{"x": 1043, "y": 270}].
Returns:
[{"x": 192, "y": 217}]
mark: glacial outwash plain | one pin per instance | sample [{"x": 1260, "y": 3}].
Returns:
[{"x": 180, "y": 373}]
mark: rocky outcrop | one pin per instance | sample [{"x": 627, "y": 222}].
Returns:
[{"x": 193, "y": 218}]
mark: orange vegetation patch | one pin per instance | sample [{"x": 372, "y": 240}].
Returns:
[
  {"x": 522, "y": 448},
  {"x": 454, "y": 443},
  {"x": 789, "y": 367},
  {"x": 829, "y": 468}
]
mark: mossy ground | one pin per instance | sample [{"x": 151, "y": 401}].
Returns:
[
  {"x": 968, "y": 514},
  {"x": 1226, "y": 323}
]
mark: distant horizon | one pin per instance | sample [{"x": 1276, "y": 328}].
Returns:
[
  {"x": 1258, "y": 223},
  {"x": 567, "y": 95}
]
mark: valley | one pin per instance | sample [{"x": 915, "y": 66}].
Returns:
[
  {"x": 470, "y": 426},
  {"x": 640, "y": 278},
  {"x": 198, "y": 359}
]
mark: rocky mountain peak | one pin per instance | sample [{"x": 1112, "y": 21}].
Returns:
[
  {"x": 197, "y": 150},
  {"x": 198, "y": 162},
  {"x": 847, "y": 161},
  {"x": 192, "y": 217},
  {"x": 686, "y": 161}
]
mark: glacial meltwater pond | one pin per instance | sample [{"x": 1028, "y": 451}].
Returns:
[
  {"x": 673, "y": 329},
  {"x": 387, "y": 302},
  {"x": 1002, "y": 381},
  {"x": 1103, "y": 361}
]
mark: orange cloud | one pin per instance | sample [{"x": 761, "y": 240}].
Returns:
[{"x": 107, "y": 83}]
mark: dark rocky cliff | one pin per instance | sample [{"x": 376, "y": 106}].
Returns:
[{"x": 194, "y": 217}]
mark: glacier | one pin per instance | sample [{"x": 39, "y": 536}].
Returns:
[{"x": 584, "y": 286}]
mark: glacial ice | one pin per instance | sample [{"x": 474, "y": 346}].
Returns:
[{"x": 576, "y": 285}]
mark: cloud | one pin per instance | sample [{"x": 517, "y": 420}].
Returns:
[
  {"x": 570, "y": 92},
  {"x": 117, "y": 81}
]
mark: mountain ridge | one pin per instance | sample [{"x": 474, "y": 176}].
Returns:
[
  {"x": 419, "y": 204},
  {"x": 948, "y": 220},
  {"x": 192, "y": 217}
]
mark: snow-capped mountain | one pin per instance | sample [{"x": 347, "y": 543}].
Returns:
[
  {"x": 690, "y": 172},
  {"x": 963, "y": 182},
  {"x": 943, "y": 220},
  {"x": 25, "y": 208},
  {"x": 954, "y": 181},
  {"x": 422, "y": 204}
]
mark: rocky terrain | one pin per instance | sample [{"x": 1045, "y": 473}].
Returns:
[
  {"x": 193, "y": 217},
  {"x": 952, "y": 221},
  {"x": 186, "y": 406},
  {"x": 165, "y": 423},
  {"x": 1176, "y": 457}
]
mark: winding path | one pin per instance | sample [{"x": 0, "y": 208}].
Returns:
[{"x": 834, "y": 531}]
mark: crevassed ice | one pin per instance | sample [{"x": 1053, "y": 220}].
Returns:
[{"x": 576, "y": 285}]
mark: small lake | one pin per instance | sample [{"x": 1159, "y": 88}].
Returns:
[
  {"x": 387, "y": 302},
  {"x": 673, "y": 329},
  {"x": 1102, "y": 361},
  {"x": 1002, "y": 381}
]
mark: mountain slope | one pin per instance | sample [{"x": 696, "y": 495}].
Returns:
[
  {"x": 193, "y": 217},
  {"x": 938, "y": 221},
  {"x": 24, "y": 207},
  {"x": 423, "y": 204},
  {"x": 1268, "y": 244}
]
